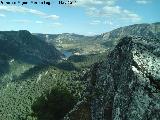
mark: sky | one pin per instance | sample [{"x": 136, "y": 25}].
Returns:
[{"x": 86, "y": 17}]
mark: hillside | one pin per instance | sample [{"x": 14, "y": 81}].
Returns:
[
  {"x": 28, "y": 97},
  {"x": 143, "y": 30},
  {"x": 24, "y": 46},
  {"x": 125, "y": 86},
  {"x": 20, "y": 51}
]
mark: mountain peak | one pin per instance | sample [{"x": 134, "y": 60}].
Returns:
[
  {"x": 24, "y": 32},
  {"x": 125, "y": 85}
]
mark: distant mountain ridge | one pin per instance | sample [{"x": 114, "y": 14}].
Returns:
[
  {"x": 100, "y": 43},
  {"x": 143, "y": 30},
  {"x": 75, "y": 43},
  {"x": 152, "y": 30},
  {"x": 136, "y": 29}
]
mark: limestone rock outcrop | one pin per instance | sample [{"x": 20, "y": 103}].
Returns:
[{"x": 126, "y": 86}]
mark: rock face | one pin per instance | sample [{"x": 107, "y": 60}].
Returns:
[{"x": 127, "y": 85}]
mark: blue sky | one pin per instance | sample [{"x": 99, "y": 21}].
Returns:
[{"x": 88, "y": 17}]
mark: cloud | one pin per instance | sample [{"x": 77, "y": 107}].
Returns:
[
  {"x": 95, "y": 22},
  {"x": 18, "y": 9},
  {"x": 108, "y": 9},
  {"x": 143, "y": 1},
  {"x": 130, "y": 16},
  {"x": 115, "y": 12},
  {"x": 85, "y": 3},
  {"x": 36, "y": 12},
  {"x": 111, "y": 10},
  {"x": 53, "y": 17},
  {"x": 39, "y": 22},
  {"x": 111, "y": 24},
  {"x": 24, "y": 10},
  {"x": 108, "y": 23},
  {"x": 2, "y": 15}
]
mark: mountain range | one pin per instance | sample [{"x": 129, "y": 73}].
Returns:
[
  {"x": 112, "y": 76},
  {"x": 99, "y": 43}
]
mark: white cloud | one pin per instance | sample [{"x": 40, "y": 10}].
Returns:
[
  {"x": 19, "y": 9},
  {"x": 2, "y": 15},
  {"x": 85, "y": 3},
  {"x": 108, "y": 23},
  {"x": 36, "y": 12},
  {"x": 111, "y": 24},
  {"x": 24, "y": 10},
  {"x": 108, "y": 9},
  {"x": 127, "y": 15},
  {"x": 39, "y": 22},
  {"x": 115, "y": 12},
  {"x": 53, "y": 17},
  {"x": 95, "y": 22},
  {"x": 93, "y": 11},
  {"x": 143, "y": 1},
  {"x": 111, "y": 10}
]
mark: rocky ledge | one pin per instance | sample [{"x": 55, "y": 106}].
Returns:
[{"x": 126, "y": 86}]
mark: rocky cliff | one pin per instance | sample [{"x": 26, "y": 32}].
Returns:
[{"x": 126, "y": 86}]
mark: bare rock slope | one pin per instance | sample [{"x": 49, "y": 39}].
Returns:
[{"x": 126, "y": 86}]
